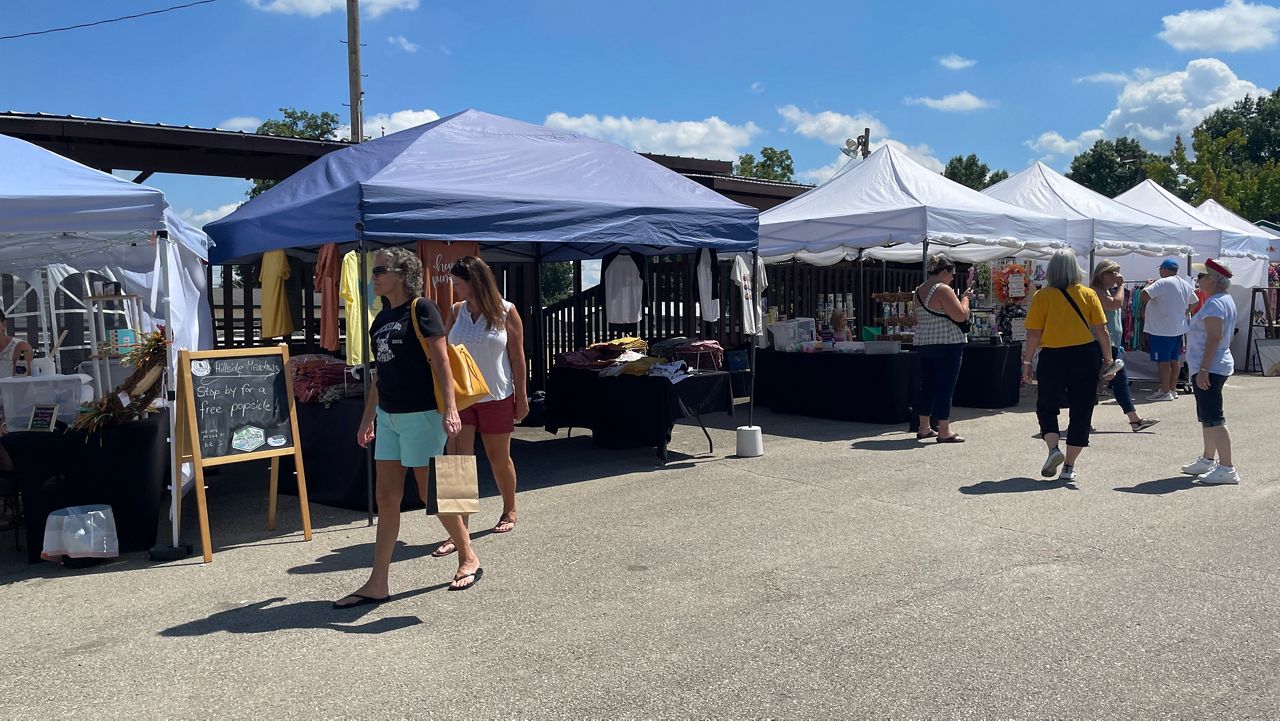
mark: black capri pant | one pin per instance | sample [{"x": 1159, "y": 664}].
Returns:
[{"x": 1072, "y": 373}]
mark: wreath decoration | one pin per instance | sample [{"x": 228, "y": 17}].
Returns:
[
  {"x": 141, "y": 388},
  {"x": 1000, "y": 282}
]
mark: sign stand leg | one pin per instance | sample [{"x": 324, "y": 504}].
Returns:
[
  {"x": 271, "y": 495},
  {"x": 203, "y": 507}
]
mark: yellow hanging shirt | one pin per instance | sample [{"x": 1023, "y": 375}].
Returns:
[
  {"x": 276, "y": 321},
  {"x": 349, "y": 291}
]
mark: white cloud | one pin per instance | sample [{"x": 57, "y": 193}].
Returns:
[
  {"x": 375, "y": 126},
  {"x": 1235, "y": 26},
  {"x": 710, "y": 138},
  {"x": 1153, "y": 108},
  {"x": 955, "y": 62},
  {"x": 316, "y": 8},
  {"x": 403, "y": 43},
  {"x": 757, "y": 87},
  {"x": 243, "y": 123},
  {"x": 446, "y": 50},
  {"x": 834, "y": 128},
  {"x": 200, "y": 218},
  {"x": 1052, "y": 144},
  {"x": 961, "y": 102},
  {"x": 1116, "y": 78}
]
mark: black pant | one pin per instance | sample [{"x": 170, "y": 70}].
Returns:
[
  {"x": 939, "y": 369},
  {"x": 1071, "y": 372}
]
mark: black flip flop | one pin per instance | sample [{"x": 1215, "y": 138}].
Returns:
[
  {"x": 477, "y": 574},
  {"x": 437, "y": 554},
  {"x": 364, "y": 601},
  {"x": 953, "y": 438}
]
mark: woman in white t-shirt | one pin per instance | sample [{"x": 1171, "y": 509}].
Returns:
[
  {"x": 1210, "y": 363},
  {"x": 493, "y": 333}
]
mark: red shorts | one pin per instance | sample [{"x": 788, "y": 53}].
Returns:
[{"x": 492, "y": 417}]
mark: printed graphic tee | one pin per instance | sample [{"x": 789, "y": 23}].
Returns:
[{"x": 405, "y": 384}]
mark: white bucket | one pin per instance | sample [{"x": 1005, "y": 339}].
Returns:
[
  {"x": 750, "y": 442},
  {"x": 42, "y": 367}
]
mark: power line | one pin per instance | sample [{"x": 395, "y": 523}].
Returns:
[{"x": 105, "y": 22}]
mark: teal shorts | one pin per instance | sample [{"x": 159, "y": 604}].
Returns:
[{"x": 413, "y": 439}]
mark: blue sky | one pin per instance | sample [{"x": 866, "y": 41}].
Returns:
[{"x": 1011, "y": 81}]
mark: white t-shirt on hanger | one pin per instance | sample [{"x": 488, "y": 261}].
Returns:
[
  {"x": 706, "y": 272},
  {"x": 623, "y": 291},
  {"x": 752, "y": 313}
]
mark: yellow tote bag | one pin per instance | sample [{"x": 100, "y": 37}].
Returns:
[{"x": 469, "y": 386}]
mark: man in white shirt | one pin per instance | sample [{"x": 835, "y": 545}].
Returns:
[{"x": 1166, "y": 303}]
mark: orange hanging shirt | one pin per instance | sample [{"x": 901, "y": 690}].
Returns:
[{"x": 328, "y": 268}]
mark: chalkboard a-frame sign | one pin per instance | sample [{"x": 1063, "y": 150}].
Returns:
[{"x": 235, "y": 406}]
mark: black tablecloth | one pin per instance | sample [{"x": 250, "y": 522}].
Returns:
[
  {"x": 843, "y": 386},
  {"x": 335, "y": 463},
  {"x": 990, "y": 377},
  {"x": 125, "y": 467},
  {"x": 631, "y": 411}
]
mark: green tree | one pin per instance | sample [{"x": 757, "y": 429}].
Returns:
[
  {"x": 773, "y": 164},
  {"x": 296, "y": 124},
  {"x": 1112, "y": 167},
  {"x": 1237, "y": 158},
  {"x": 1171, "y": 171},
  {"x": 557, "y": 282},
  {"x": 972, "y": 172}
]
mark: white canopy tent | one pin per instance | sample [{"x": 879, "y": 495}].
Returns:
[
  {"x": 890, "y": 207},
  {"x": 1261, "y": 240},
  {"x": 57, "y": 213},
  {"x": 1094, "y": 221}
]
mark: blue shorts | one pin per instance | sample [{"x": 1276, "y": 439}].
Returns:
[
  {"x": 1164, "y": 348},
  {"x": 413, "y": 439}
]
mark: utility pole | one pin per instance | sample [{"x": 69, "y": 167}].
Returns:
[{"x": 353, "y": 70}]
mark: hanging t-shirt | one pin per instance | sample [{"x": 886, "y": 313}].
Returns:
[
  {"x": 349, "y": 290},
  {"x": 752, "y": 313},
  {"x": 708, "y": 285},
  {"x": 1221, "y": 306},
  {"x": 328, "y": 267},
  {"x": 405, "y": 383},
  {"x": 276, "y": 320},
  {"x": 1167, "y": 309},
  {"x": 623, "y": 289},
  {"x": 437, "y": 259}
]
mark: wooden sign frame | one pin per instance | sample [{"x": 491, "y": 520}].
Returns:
[
  {"x": 53, "y": 416},
  {"x": 187, "y": 443}
]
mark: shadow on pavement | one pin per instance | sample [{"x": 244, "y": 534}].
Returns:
[
  {"x": 270, "y": 615},
  {"x": 352, "y": 558},
  {"x": 888, "y": 444},
  {"x": 1015, "y": 485},
  {"x": 1162, "y": 486}
]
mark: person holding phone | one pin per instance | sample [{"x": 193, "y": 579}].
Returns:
[
  {"x": 1108, "y": 283},
  {"x": 940, "y": 340}
]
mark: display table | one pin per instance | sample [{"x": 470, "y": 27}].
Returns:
[
  {"x": 335, "y": 463},
  {"x": 125, "y": 467},
  {"x": 632, "y": 411},
  {"x": 990, "y": 376},
  {"x": 842, "y": 386}
]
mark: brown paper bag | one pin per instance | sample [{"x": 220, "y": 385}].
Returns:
[{"x": 457, "y": 484}]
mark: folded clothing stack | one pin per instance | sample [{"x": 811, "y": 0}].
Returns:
[{"x": 312, "y": 374}]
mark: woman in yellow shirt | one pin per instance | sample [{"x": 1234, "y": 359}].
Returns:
[{"x": 1067, "y": 324}]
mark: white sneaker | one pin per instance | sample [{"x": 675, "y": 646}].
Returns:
[
  {"x": 1068, "y": 474},
  {"x": 1199, "y": 467},
  {"x": 1220, "y": 476},
  {"x": 1156, "y": 395},
  {"x": 1174, "y": 394},
  {"x": 1050, "y": 467},
  {"x": 1163, "y": 397}
]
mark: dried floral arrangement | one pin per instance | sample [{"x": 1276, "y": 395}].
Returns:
[{"x": 141, "y": 388}]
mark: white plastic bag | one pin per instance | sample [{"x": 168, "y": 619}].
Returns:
[{"x": 81, "y": 532}]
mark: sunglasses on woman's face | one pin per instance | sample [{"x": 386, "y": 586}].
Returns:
[{"x": 381, "y": 269}]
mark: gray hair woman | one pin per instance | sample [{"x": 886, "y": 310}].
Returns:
[
  {"x": 1210, "y": 363},
  {"x": 1067, "y": 324},
  {"x": 1108, "y": 283}
]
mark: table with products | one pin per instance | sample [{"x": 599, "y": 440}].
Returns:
[
  {"x": 627, "y": 411},
  {"x": 125, "y": 466},
  {"x": 990, "y": 376},
  {"x": 863, "y": 387}
]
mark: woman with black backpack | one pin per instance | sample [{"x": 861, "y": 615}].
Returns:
[{"x": 1067, "y": 324}]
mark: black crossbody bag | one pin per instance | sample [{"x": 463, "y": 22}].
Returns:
[
  {"x": 1084, "y": 320},
  {"x": 964, "y": 325}
]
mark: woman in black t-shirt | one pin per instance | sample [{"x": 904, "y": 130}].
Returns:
[{"x": 401, "y": 417}]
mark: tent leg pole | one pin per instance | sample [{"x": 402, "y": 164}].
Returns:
[
  {"x": 175, "y": 467},
  {"x": 1092, "y": 259},
  {"x": 540, "y": 326},
  {"x": 924, "y": 261},
  {"x": 364, "y": 375},
  {"x": 755, "y": 304},
  {"x": 862, "y": 291}
]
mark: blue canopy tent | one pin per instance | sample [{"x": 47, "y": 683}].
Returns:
[{"x": 524, "y": 192}]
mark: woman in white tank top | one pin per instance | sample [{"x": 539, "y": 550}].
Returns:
[{"x": 493, "y": 333}]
